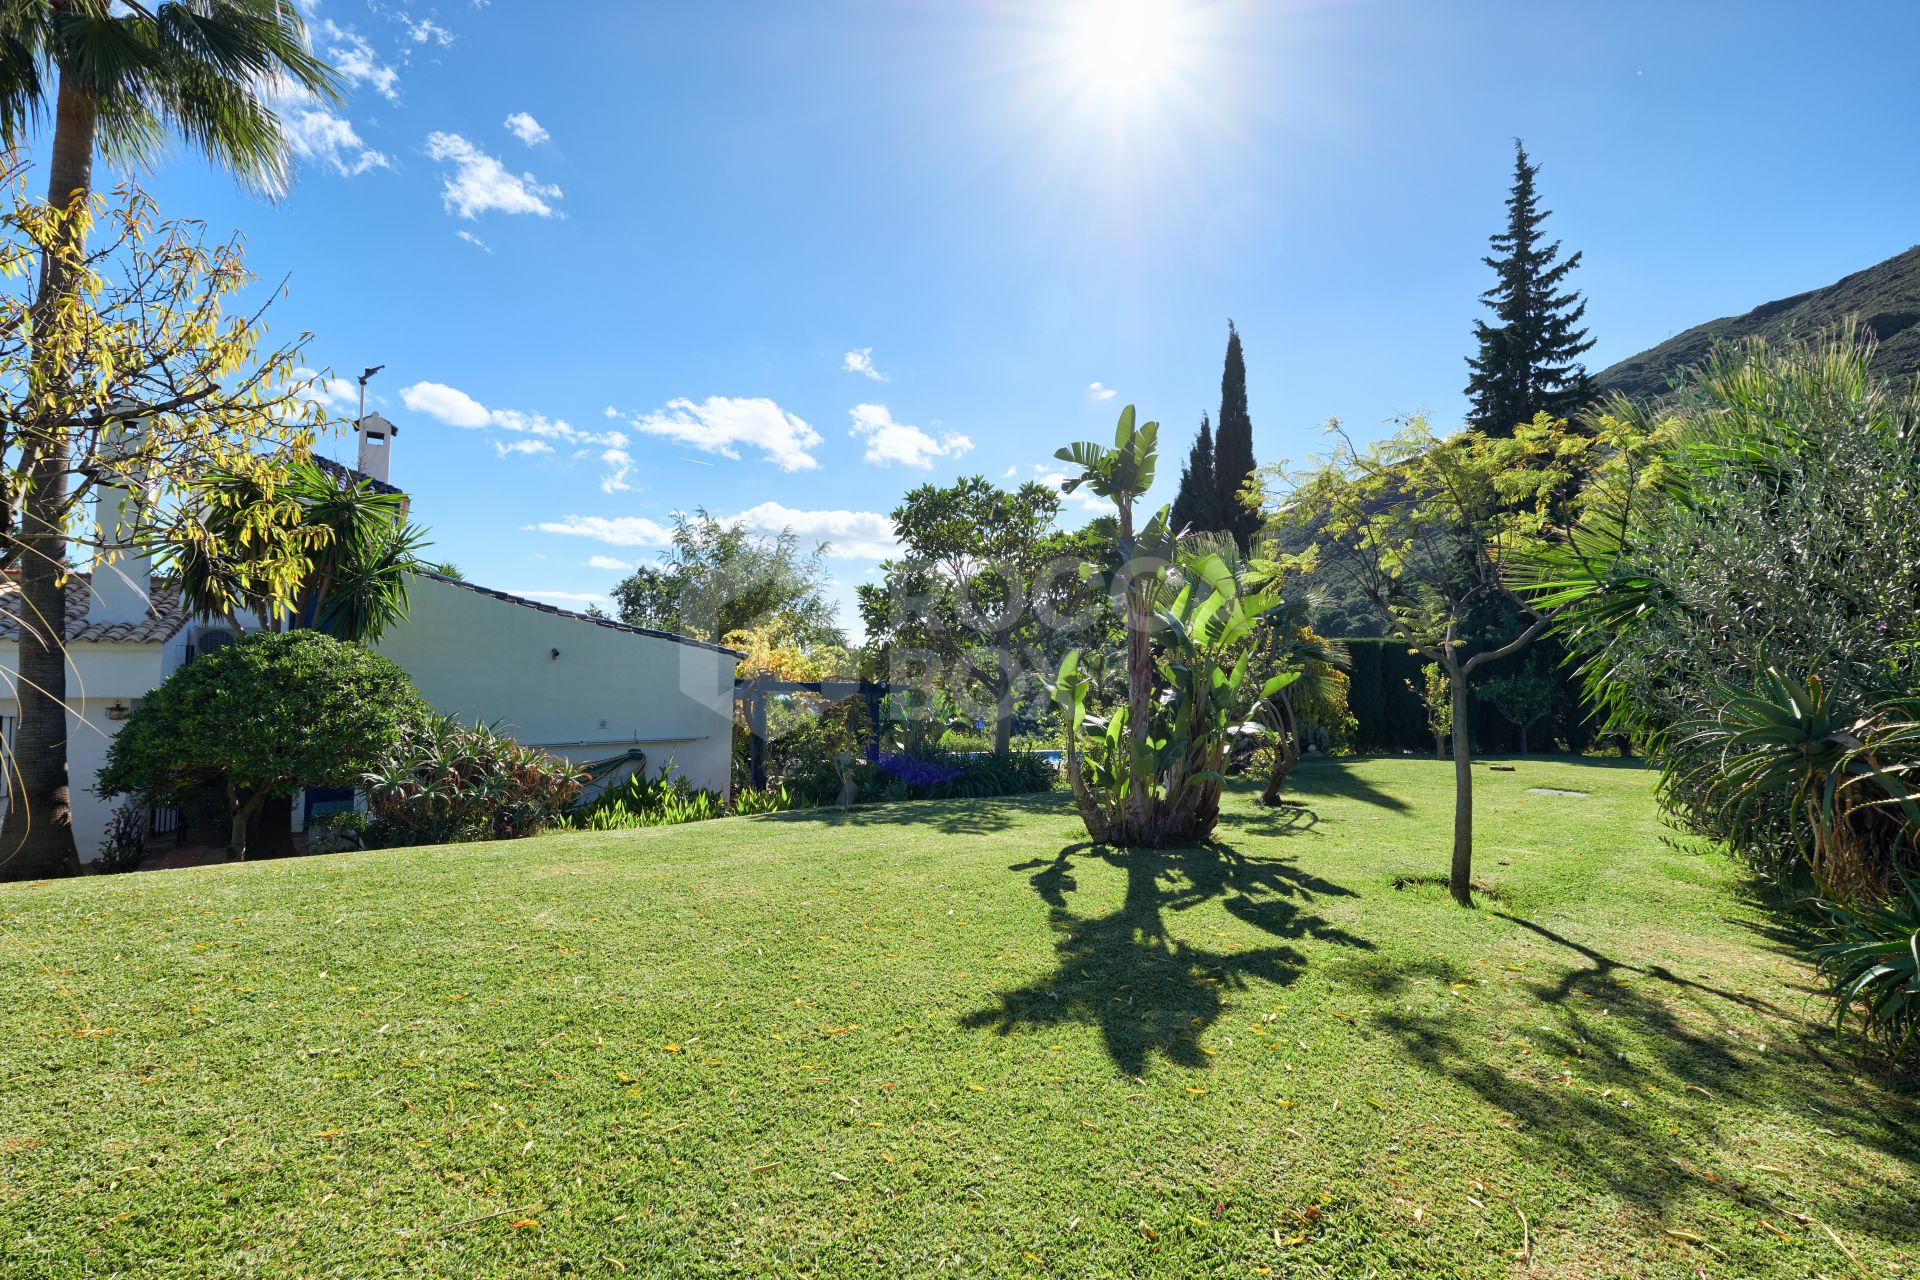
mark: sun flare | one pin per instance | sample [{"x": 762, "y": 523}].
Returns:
[{"x": 1124, "y": 48}]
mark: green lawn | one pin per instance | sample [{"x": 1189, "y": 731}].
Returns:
[{"x": 949, "y": 1039}]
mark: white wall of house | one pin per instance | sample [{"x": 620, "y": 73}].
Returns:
[
  {"x": 99, "y": 676},
  {"x": 609, "y": 689}
]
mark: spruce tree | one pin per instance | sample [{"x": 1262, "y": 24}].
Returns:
[
  {"x": 1196, "y": 506},
  {"x": 1233, "y": 446},
  {"x": 1529, "y": 360}
]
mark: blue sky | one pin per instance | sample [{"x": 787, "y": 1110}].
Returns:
[{"x": 789, "y": 260}]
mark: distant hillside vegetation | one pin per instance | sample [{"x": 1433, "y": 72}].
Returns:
[{"x": 1886, "y": 299}]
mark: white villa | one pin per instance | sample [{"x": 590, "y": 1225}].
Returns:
[{"x": 586, "y": 688}]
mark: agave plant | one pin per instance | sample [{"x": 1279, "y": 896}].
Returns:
[{"x": 1873, "y": 962}]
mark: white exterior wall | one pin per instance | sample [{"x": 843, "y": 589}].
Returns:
[
  {"x": 482, "y": 658},
  {"x": 98, "y": 675}
]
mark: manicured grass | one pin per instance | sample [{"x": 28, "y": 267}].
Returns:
[{"x": 948, "y": 1039}]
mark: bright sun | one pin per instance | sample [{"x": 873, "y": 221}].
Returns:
[{"x": 1125, "y": 48}]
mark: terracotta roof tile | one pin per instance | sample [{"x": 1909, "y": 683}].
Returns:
[{"x": 164, "y": 615}]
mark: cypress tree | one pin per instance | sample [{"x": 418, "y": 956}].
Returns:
[
  {"x": 1529, "y": 361},
  {"x": 1196, "y": 506},
  {"x": 1233, "y": 446}
]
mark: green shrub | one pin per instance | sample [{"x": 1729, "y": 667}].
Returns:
[
  {"x": 338, "y": 832},
  {"x": 125, "y": 843},
  {"x": 1873, "y": 965},
  {"x": 446, "y": 781},
  {"x": 267, "y": 715}
]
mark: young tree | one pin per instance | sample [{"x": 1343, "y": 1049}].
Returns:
[
  {"x": 1233, "y": 464},
  {"x": 1196, "y": 506},
  {"x": 267, "y": 715},
  {"x": 118, "y": 78},
  {"x": 158, "y": 385},
  {"x": 718, "y": 578},
  {"x": 1528, "y": 362},
  {"x": 987, "y": 590},
  {"x": 1524, "y": 700},
  {"x": 1436, "y": 694},
  {"x": 1422, "y": 526}
]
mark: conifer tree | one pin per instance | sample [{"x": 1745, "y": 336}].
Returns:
[
  {"x": 1233, "y": 462},
  {"x": 1529, "y": 359},
  {"x": 1197, "y": 506}
]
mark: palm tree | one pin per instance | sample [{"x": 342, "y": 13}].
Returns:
[
  {"x": 352, "y": 549},
  {"x": 117, "y": 77}
]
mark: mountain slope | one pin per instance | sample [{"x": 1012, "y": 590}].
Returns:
[{"x": 1885, "y": 298}]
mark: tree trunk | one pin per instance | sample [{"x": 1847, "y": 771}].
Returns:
[
  {"x": 242, "y": 812},
  {"x": 1460, "y": 879},
  {"x": 37, "y": 837},
  {"x": 1139, "y": 673},
  {"x": 1002, "y": 707},
  {"x": 272, "y": 835},
  {"x": 1286, "y": 752}
]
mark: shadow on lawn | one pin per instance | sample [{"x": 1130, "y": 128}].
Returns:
[
  {"x": 1126, "y": 973},
  {"x": 980, "y": 817},
  {"x": 1331, "y": 776},
  {"x": 1641, "y": 1047}
]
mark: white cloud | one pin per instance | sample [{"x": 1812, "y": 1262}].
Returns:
[
  {"x": 449, "y": 404},
  {"x": 722, "y": 424},
  {"x": 1011, "y": 473},
  {"x": 474, "y": 240},
  {"x": 615, "y": 531},
  {"x": 524, "y": 127},
  {"x": 1099, "y": 392},
  {"x": 505, "y": 447},
  {"x": 1083, "y": 498},
  {"x": 337, "y": 395},
  {"x": 357, "y": 63},
  {"x": 620, "y": 463},
  {"x": 316, "y": 133},
  {"x": 861, "y": 361},
  {"x": 609, "y": 563},
  {"x": 481, "y": 184},
  {"x": 889, "y": 442},
  {"x": 609, "y": 412},
  {"x": 852, "y": 535},
  {"x": 425, "y": 31},
  {"x": 536, "y": 433}
]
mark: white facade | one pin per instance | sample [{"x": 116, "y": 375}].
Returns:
[
  {"x": 575, "y": 686},
  {"x": 584, "y": 688}
]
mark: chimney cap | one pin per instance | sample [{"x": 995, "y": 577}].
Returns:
[{"x": 375, "y": 422}]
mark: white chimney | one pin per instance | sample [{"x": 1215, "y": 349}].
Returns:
[
  {"x": 376, "y": 447},
  {"x": 122, "y": 571}
]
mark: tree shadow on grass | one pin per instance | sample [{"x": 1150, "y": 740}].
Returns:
[
  {"x": 1330, "y": 776},
  {"x": 1125, "y": 972},
  {"x": 1641, "y": 1050},
  {"x": 985, "y": 816}
]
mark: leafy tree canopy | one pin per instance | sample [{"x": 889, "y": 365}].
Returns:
[
  {"x": 268, "y": 715},
  {"x": 718, "y": 578}
]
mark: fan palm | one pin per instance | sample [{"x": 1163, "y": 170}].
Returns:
[{"x": 116, "y": 78}]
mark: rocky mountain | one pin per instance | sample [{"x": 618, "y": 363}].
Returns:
[{"x": 1885, "y": 298}]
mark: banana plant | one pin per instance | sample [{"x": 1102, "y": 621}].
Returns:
[{"x": 1155, "y": 779}]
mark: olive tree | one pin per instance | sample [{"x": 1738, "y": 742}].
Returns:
[{"x": 266, "y": 716}]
